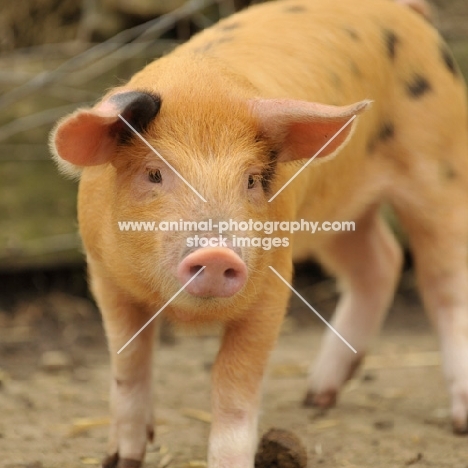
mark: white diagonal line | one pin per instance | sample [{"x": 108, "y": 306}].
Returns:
[
  {"x": 312, "y": 158},
  {"x": 158, "y": 154},
  {"x": 161, "y": 309},
  {"x": 313, "y": 310}
]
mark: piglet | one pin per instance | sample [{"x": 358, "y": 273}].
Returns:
[{"x": 218, "y": 130}]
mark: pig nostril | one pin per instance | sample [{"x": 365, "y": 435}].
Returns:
[
  {"x": 195, "y": 269},
  {"x": 230, "y": 273},
  {"x": 212, "y": 272}
]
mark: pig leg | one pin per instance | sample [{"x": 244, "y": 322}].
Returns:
[
  {"x": 237, "y": 377},
  {"x": 131, "y": 392},
  {"x": 367, "y": 264},
  {"x": 439, "y": 244}
]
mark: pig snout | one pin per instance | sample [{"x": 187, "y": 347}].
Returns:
[{"x": 223, "y": 276}]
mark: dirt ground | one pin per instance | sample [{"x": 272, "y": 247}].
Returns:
[{"x": 54, "y": 383}]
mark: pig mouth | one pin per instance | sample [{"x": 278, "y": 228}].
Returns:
[{"x": 212, "y": 272}]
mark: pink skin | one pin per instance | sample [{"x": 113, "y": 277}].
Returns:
[{"x": 224, "y": 275}]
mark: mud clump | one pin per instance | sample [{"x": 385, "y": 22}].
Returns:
[{"x": 280, "y": 448}]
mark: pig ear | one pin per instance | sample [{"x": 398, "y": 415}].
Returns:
[
  {"x": 301, "y": 128},
  {"x": 89, "y": 137}
]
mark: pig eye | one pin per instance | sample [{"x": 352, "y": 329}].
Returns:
[
  {"x": 155, "y": 176},
  {"x": 252, "y": 181}
]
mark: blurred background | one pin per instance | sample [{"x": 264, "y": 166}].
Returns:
[{"x": 57, "y": 55}]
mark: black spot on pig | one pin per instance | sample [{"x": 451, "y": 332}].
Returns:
[
  {"x": 391, "y": 41},
  {"x": 447, "y": 171},
  {"x": 355, "y": 69},
  {"x": 212, "y": 44},
  {"x": 336, "y": 80},
  {"x": 229, "y": 26},
  {"x": 371, "y": 145},
  {"x": 448, "y": 59},
  {"x": 295, "y": 9},
  {"x": 224, "y": 39},
  {"x": 138, "y": 109},
  {"x": 352, "y": 33},
  {"x": 385, "y": 133},
  {"x": 204, "y": 48},
  {"x": 418, "y": 86}
]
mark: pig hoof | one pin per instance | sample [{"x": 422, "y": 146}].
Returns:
[
  {"x": 150, "y": 433},
  {"x": 460, "y": 427},
  {"x": 459, "y": 413},
  {"x": 128, "y": 463},
  {"x": 114, "y": 461},
  {"x": 110, "y": 461},
  {"x": 460, "y": 430},
  {"x": 321, "y": 400}
]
